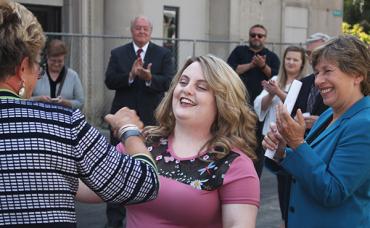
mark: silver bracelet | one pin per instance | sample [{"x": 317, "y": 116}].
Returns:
[
  {"x": 127, "y": 127},
  {"x": 128, "y": 130}
]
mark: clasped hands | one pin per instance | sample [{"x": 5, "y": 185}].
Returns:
[
  {"x": 139, "y": 71},
  {"x": 270, "y": 86},
  {"x": 56, "y": 100},
  {"x": 259, "y": 61},
  {"x": 286, "y": 132},
  {"x": 122, "y": 117}
]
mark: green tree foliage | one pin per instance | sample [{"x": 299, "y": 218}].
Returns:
[{"x": 357, "y": 12}]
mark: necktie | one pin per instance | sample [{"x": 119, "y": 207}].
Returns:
[
  {"x": 312, "y": 98},
  {"x": 138, "y": 52}
]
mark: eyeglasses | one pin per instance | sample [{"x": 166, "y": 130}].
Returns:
[
  {"x": 56, "y": 61},
  {"x": 259, "y": 35}
]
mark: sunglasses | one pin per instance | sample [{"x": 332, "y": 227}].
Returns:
[{"x": 259, "y": 35}]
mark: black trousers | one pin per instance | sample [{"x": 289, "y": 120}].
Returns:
[
  {"x": 260, "y": 152},
  {"x": 284, "y": 181}
]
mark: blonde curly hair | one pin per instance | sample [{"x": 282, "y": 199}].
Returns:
[
  {"x": 235, "y": 122},
  {"x": 21, "y": 35}
]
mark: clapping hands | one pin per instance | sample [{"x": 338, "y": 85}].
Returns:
[
  {"x": 138, "y": 70},
  {"x": 259, "y": 60},
  {"x": 286, "y": 131},
  {"x": 291, "y": 130},
  {"x": 271, "y": 87}
]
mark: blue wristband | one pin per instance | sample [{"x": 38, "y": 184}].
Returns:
[{"x": 129, "y": 133}]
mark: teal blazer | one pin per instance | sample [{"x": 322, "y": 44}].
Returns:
[{"x": 331, "y": 175}]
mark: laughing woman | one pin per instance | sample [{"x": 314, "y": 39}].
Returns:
[
  {"x": 203, "y": 147},
  {"x": 330, "y": 167}
]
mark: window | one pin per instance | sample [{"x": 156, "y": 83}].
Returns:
[
  {"x": 170, "y": 29},
  {"x": 48, "y": 16}
]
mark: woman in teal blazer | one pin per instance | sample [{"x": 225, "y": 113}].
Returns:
[{"x": 331, "y": 168}]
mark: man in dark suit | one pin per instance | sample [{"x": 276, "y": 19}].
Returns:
[{"x": 140, "y": 72}]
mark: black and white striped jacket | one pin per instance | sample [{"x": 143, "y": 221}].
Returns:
[{"x": 44, "y": 149}]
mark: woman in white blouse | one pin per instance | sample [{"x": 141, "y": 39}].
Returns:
[
  {"x": 276, "y": 89},
  {"x": 274, "y": 92}
]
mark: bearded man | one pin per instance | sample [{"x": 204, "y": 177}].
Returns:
[{"x": 255, "y": 63}]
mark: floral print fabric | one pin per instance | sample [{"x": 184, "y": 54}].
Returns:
[{"x": 205, "y": 172}]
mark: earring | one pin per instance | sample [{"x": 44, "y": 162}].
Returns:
[{"x": 22, "y": 90}]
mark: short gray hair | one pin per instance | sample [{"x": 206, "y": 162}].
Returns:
[
  {"x": 140, "y": 17},
  {"x": 351, "y": 56},
  {"x": 316, "y": 37}
]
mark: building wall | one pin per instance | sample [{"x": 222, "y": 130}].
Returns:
[
  {"x": 92, "y": 61},
  {"x": 246, "y": 13},
  {"x": 87, "y": 17},
  {"x": 322, "y": 17}
]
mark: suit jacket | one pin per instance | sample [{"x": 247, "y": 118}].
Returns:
[
  {"x": 331, "y": 185},
  {"x": 301, "y": 102},
  {"x": 138, "y": 96}
]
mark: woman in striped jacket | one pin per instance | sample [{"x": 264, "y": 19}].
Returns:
[{"x": 45, "y": 148}]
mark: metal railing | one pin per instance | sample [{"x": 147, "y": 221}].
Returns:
[
  {"x": 89, "y": 55},
  {"x": 181, "y": 48}
]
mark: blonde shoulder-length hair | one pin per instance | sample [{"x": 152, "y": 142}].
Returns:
[
  {"x": 283, "y": 76},
  {"x": 235, "y": 122}
]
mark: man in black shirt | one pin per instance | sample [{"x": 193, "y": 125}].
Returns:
[{"x": 255, "y": 63}]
